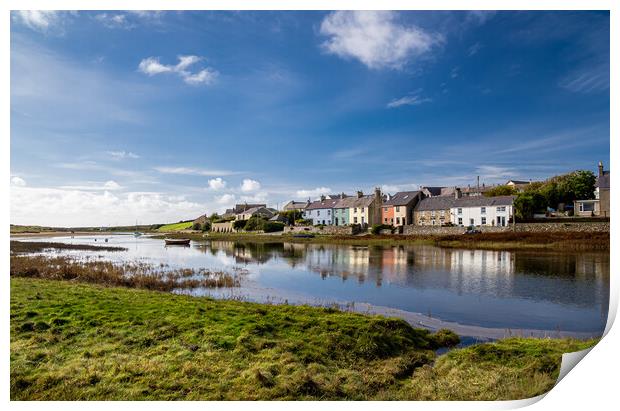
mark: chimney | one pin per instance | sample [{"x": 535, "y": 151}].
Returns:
[
  {"x": 360, "y": 194},
  {"x": 600, "y": 168},
  {"x": 457, "y": 193},
  {"x": 478, "y": 182},
  {"x": 342, "y": 195},
  {"x": 322, "y": 197},
  {"x": 377, "y": 192}
]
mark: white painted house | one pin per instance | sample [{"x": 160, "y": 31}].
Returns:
[
  {"x": 321, "y": 211},
  {"x": 482, "y": 211}
]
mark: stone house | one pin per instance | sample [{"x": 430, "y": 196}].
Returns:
[
  {"x": 255, "y": 211},
  {"x": 433, "y": 211}
]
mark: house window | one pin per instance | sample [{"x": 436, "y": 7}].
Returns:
[
  {"x": 500, "y": 209},
  {"x": 385, "y": 209},
  {"x": 355, "y": 209},
  {"x": 459, "y": 211},
  {"x": 355, "y": 220},
  {"x": 318, "y": 212},
  {"x": 397, "y": 208},
  {"x": 586, "y": 206},
  {"x": 385, "y": 220},
  {"x": 329, "y": 212},
  {"x": 460, "y": 221},
  {"x": 362, "y": 210},
  {"x": 483, "y": 221},
  {"x": 397, "y": 220},
  {"x": 483, "y": 210}
]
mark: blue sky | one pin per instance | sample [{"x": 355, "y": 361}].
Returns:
[{"x": 161, "y": 116}]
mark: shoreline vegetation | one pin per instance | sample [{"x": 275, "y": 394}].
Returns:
[
  {"x": 128, "y": 274},
  {"x": 508, "y": 241},
  {"x": 73, "y": 341},
  {"x": 20, "y": 247}
]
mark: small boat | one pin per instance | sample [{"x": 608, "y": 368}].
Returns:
[{"x": 177, "y": 241}]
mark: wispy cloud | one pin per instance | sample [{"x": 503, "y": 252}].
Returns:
[
  {"x": 474, "y": 49},
  {"x": 121, "y": 155},
  {"x": 110, "y": 185},
  {"x": 115, "y": 21},
  {"x": 151, "y": 67},
  {"x": 38, "y": 20},
  {"x": 195, "y": 171},
  {"x": 411, "y": 100},
  {"x": 589, "y": 80},
  {"x": 375, "y": 38},
  {"x": 312, "y": 193}
]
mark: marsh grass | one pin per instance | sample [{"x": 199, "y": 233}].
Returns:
[
  {"x": 72, "y": 341},
  {"x": 19, "y": 247},
  {"x": 127, "y": 274}
]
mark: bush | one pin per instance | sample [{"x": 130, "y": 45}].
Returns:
[
  {"x": 302, "y": 221},
  {"x": 255, "y": 223},
  {"x": 273, "y": 226},
  {"x": 376, "y": 229},
  {"x": 239, "y": 224},
  {"x": 197, "y": 226},
  {"x": 503, "y": 190},
  {"x": 206, "y": 226}
]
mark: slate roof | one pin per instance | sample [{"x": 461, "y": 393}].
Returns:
[
  {"x": 435, "y": 203},
  {"x": 353, "y": 202},
  {"x": 253, "y": 210},
  {"x": 318, "y": 205},
  {"x": 445, "y": 202},
  {"x": 603, "y": 181},
  {"x": 239, "y": 208},
  {"x": 402, "y": 198}
]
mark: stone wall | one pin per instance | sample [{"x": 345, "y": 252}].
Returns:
[
  {"x": 520, "y": 227},
  {"x": 560, "y": 227},
  {"x": 226, "y": 227},
  {"x": 434, "y": 230},
  {"x": 328, "y": 229}
]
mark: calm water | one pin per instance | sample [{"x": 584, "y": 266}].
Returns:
[{"x": 499, "y": 289}]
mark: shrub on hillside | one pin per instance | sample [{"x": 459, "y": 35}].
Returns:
[{"x": 273, "y": 226}]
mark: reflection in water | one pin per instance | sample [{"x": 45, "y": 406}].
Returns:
[{"x": 520, "y": 289}]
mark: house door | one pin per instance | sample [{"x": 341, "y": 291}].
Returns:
[
  {"x": 501, "y": 221},
  {"x": 471, "y": 221},
  {"x": 336, "y": 220},
  {"x": 362, "y": 220}
]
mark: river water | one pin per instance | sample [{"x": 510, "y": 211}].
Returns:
[{"x": 508, "y": 290}]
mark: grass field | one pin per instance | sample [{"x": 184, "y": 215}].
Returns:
[
  {"x": 175, "y": 227},
  {"x": 80, "y": 341}
]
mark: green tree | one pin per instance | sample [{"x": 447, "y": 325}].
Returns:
[
  {"x": 502, "y": 190},
  {"x": 239, "y": 224}
]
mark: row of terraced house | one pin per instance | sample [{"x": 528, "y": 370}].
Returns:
[{"x": 437, "y": 206}]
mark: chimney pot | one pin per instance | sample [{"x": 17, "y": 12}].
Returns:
[
  {"x": 600, "y": 168},
  {"x": 360, "y": 194}
]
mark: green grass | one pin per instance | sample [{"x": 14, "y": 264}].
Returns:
[
  {"x": 85, "y": 342},
  {"x": 176, "y": 227}
]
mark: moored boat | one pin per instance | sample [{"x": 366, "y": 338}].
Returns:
[{"x": 177, "y": 241}]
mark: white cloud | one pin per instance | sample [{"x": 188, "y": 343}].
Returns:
[
  {"x": 120, "y": 155},
  {"x": 474, "y": 49},
  {"x": 315, "y": 192},
  {"x": 114, "y": 21},
  {"x": 225, "y": 200},
  {"x": 39, "y": 20},
  {"x": 411, "y": 100},
  {"x": 375, "y": 38},
  {"x": 217, "y": 184},
  {"x": 18, "y": 181},
  {"x": 151, "y": 66},
  {"x": 67, "y": 207},
  {"x": 110, "y": 185},
  {"x": 454, "y": 73},
  {"x": 194, "y": 171},
  {"x": 249, "y": 185}
]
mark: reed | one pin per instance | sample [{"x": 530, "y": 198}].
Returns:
[
  {"x": 18, "y": 247},
  {"x": 128, "y": 274}
]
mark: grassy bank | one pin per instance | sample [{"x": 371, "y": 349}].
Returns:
[
  {"x": 555, "y": 241},
  {"x": 39, "y": 246},
  {"x": 175, "y": 227},
  {"x": 80, "y": 341}
]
